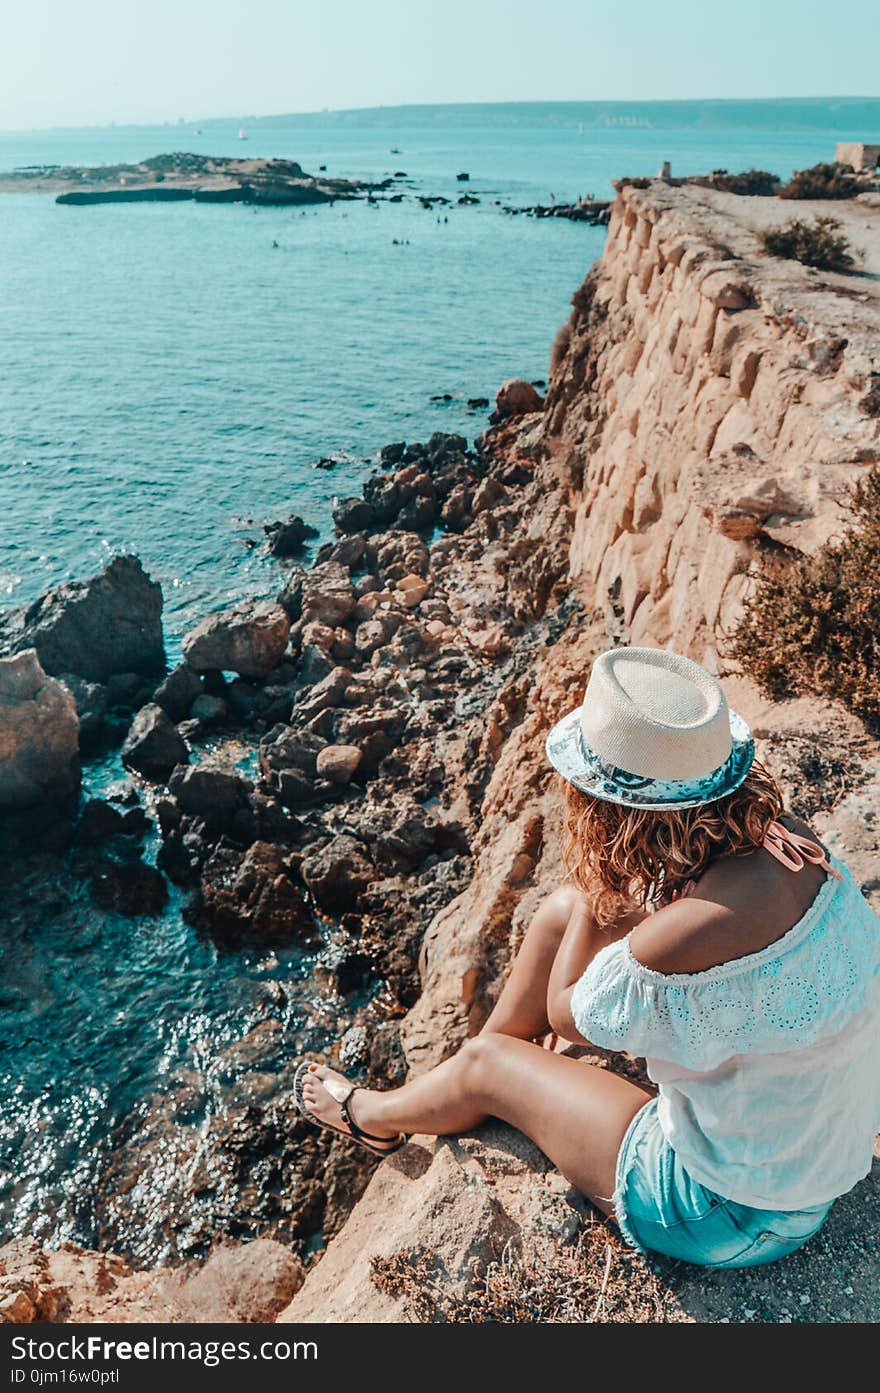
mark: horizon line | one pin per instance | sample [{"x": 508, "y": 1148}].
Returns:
[{"x": 422, "y": 106}]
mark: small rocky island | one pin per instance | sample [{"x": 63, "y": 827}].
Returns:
[{"x": 177, "y": 176}]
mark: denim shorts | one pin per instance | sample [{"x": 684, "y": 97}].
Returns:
[{"x": 662, "y": 1209}]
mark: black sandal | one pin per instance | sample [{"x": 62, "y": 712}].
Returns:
[{"x": 342, "y": 1094}]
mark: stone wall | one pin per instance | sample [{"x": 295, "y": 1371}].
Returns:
[{"x": 709, "y": 399}]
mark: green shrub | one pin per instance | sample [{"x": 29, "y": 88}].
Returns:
[
  {"x": 758, "y": 182},
  {"x": 813, "y": 625},
  {"x": 818, "y": 243},
  {"x": 822, "y": 181}
]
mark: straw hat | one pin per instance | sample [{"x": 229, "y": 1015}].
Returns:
[{"x": 654, "y": 731}]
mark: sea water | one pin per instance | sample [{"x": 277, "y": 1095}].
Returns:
[{"x": 169, "y": 378}]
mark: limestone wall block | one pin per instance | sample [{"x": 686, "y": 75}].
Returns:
[
  {"x": 704, "y": 329},
  {"x": 690, "y": 302},
  {"x": 775, "y": 387},
  {"x": 744, "y": 368},
  {"x": 737, "y": 428},
  {"x": 723, "y": 558},
  {"x": 634, "y": 297},
  {"x": 632, "y": 352},
  {"x": 710, "y": 410},
  {"x": 670, "y": 332},
  {"x": 683, "y": 356},
  {"x": 730, "y": 610},
  {"x": 647, "y": 501}
]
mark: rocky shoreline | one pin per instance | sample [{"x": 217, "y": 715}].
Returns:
[{"x": 360, "y": 695}]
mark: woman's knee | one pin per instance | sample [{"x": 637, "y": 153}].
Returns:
[{"x": 479, "y": 1058}]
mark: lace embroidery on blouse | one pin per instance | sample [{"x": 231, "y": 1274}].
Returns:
[{"x": 797, "y": 990}]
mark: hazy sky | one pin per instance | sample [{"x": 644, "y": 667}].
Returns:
[{"x": 91, "y": 61}]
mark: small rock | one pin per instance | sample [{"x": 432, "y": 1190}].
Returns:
[
  {"x": 178, "y": 691},
  {"x": 153, "y": 745},
  {"x": 411, "y": 590},
  {"x": 488, "y": 493},
  {"x": 121, "y": 791},
  {"x": 392, "y": 454},
  {"x": 253, "y": 892},
  {"x": 338, "y": 763},
  {"x": 321, "y": 634},
  {"x": 371, "y": 601},
  {"x": 326, "y": 693},
  {"x": 288, "y": 538},
  {"x": 98, "y": 821},
  {"x": 91, "y": 707},
  {"x": 338, "y": 872},
  {"x": 209, "y": 710},
  {"x": 314, "y": 664},
  {"x": 215, "y": 795},
  {"x": 353, "y": 515},
  {"x": 375, "y": 633},
  {"x": 111, "y": 622},
  {"x": 131, "y": 888},
  {"x": 516, "y": 398}
]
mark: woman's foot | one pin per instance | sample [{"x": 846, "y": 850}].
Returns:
[{"x": 329, "y": 1098}]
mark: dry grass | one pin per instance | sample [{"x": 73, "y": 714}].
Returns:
[
  {"x": 597, "y": 1280},
  {"x": 813, "y": 625},
  {"x": 819, "y": 243}
]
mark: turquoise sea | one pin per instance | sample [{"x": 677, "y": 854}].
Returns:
[
  {"x": 168, "y": 380},
  {"x": 168, "y": 377}
]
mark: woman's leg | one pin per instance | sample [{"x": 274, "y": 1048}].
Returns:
[
  {"x": 521, "y": 1009},
  {"x": 576, "y": 1113}
]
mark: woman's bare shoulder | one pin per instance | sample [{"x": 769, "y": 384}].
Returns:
[
  {"x": 561, "y": 902},
  {"x": 689, "y": 935}
]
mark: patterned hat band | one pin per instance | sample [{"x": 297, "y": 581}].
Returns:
[{"x": 569, "y": 752}]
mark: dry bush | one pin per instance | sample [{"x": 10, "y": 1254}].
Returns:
[
  {"x": 818, "y": 243},
  {"x": 754, "y": 182},
  {"x": 560, "y": 346},
  {"x": 598, "y": 1280},
  {"x": 813, "y": 625},
  {"x": 822, "y": 181}
]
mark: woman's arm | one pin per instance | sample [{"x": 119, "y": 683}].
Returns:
[{"x": 581, "y": 942}]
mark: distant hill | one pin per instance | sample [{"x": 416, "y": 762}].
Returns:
[{"x": 854, "y": 117}]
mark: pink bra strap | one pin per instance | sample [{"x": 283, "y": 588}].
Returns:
[{"x": 792, "y": 850}]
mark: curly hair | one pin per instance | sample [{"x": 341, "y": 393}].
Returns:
[{"x": 618, "y": 855}]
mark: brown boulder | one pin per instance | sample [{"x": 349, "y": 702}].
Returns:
[
  {"x": 397, "y": 554},
  {"x": 338, "y": 763},
  {"x": 249, "y": 640},
  {"x": 338, "y": 872},
  {"x": 517, "y": 398},
  {"x": 153, "y": 745},
  {"x": 253, "y": 892},
  {"x": 39, "y": 734}
]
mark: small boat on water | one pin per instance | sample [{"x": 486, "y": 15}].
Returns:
[{"x": 242, "y": 133}]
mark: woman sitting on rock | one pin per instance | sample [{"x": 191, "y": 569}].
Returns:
[{"x": 730, "y": 949}]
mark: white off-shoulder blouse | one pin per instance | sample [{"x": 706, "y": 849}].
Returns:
[{"x": 768, "y": 1066}]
